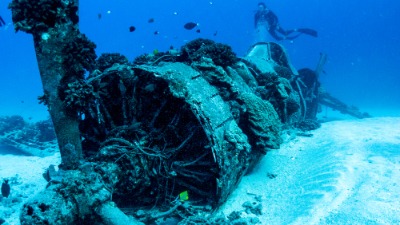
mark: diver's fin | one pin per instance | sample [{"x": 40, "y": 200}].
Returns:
[
  {"x": 311, "y": 32},
  {"x": 2, "y": 21}
]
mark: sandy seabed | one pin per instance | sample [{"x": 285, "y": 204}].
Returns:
[
  {"x": 348, "y": 172},
  {"x": 26, "y": 180}
]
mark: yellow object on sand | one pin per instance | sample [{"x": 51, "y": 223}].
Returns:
[{"x": 184, "y": 196}]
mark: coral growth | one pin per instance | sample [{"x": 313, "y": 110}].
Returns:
[
  {"x": 45, "y": 131},
  {"x": 220, "y": 54},
  {"x": 11, "y": 123},
  {"x": 78, "y": 96},
  {"x": 78, "y": 56},
  {"x": 107, "y": 60},
  {"x": 39, "y": 16},
  {"x": 79, "y": 53}
]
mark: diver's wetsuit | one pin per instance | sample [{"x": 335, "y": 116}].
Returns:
[{"x": 267, "y": 16}]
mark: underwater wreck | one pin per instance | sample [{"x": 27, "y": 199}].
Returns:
[{"x": 168, "y": 135}]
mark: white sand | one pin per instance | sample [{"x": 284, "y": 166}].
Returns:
[
  {"x": 347, "y": 173},
  {"x": 25, "y": 175}
]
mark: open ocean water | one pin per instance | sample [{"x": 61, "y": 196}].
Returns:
[{"x": 361, "y": 39}]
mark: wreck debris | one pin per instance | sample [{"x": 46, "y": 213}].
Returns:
[
  {"x": 64, "y": 55},
  {"x": 134, "y": 136},
  {"x": 176, "y": 126},
  {"x": 336, "y": 104}
]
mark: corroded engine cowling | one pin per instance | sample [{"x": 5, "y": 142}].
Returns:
[{"x": 173, "y": 127}]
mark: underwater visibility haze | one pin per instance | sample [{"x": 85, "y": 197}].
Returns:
[{"x": 174, "y": 127}]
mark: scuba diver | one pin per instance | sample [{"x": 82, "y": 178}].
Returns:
[
  {"x": 2, "y": 23},
  {"x": 267, "y": 22}
]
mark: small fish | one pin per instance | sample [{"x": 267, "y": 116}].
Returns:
[
  {"x": 132, "y": 28},
  {"x": 156, "y": 32},
  {"x": 5, "y": 189},
  {"x": 99, "y": 16},
  {"x": 190, "y": 25},
  {"x": 198, "y": 31},
  {"x": 2, "y": 23},
  {"x": 215, "y": 33},
  {"x": 151, "y": 20},
  {"x": 171, "y": 47}
]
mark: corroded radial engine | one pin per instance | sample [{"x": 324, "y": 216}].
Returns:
[{"x": 173, "y": 124}]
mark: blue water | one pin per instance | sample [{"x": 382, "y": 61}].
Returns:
[{"x": 361, "y": 39}]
